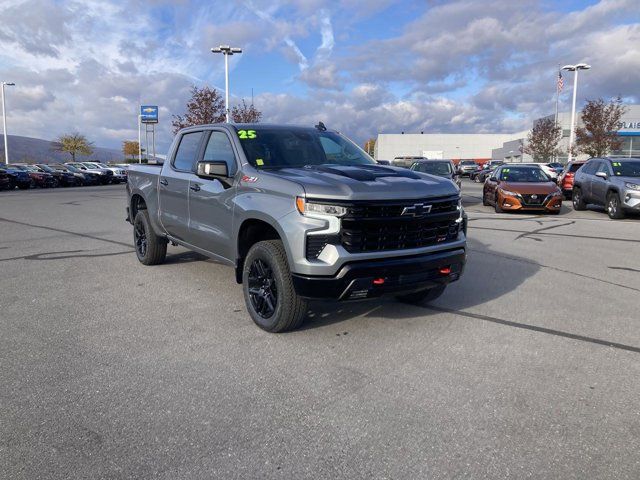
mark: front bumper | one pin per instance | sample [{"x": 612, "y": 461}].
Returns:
[
  {"x": 631, "y": 200},
  {"x": 372, "y": 278},
  {"x": 549, "y": 204}
]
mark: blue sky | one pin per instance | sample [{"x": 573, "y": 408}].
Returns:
[{"x": 361, "y": 67}]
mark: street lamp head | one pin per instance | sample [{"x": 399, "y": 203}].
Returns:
[
  {"x": 226, "y": 49},
  {"x": 9, "y": 84},
  {"x": 583, "y": 66},
  {"x": 571, "y": 68}
]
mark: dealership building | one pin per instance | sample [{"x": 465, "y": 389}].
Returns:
[{"x": 497, "y": 146}]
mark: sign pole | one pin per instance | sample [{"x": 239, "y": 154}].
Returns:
[{"x": 139, "y": 139}]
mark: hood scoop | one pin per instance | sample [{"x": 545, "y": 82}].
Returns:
[{"x": 363, "y": 173}]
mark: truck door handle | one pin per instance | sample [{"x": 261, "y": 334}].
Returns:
[
  {"x": 163, "y": 182},
  {"x": 195, "y": 187}
]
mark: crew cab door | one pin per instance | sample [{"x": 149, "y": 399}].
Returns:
[
  {"x": 210, "y": 200},
  {"x": 173, "y": 185},
  {"x": 599, "y": 184}
]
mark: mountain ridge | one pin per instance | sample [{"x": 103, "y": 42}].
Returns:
[{"x": 37, "y": 150}]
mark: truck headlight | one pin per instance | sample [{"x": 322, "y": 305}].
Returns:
[
  {"x": 313, "y": 208},
  {"x": 632, "y": 186}
]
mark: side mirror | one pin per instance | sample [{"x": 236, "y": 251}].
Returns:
[
  {"x": 212, "y": 170},
  {"x": 602, "y": 175},
  {"x": 493, "y": 179}
]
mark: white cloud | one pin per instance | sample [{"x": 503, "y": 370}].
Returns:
[{"x": 453, "y": 66}]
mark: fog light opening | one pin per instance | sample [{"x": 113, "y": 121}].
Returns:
[{"x": 378, "y": 281}]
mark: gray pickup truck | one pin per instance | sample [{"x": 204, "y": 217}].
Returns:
[{"x": 301, "y": 213}]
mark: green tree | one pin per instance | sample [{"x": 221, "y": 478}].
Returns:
[
  {"x": 73, "y": 144},
  {"x": 543, "y": 140},
  {"x": 370, "y": 146},
  {"x": 131, "y": 147},
  {"x": 599, "y": 136}
]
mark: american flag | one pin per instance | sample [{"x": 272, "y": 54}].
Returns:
[{"x": 560, "y": 82}]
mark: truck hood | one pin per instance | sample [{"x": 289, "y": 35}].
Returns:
[{"x": 367, "y": 182}]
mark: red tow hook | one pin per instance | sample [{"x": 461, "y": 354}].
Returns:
[{"x": 445, "y": 270}]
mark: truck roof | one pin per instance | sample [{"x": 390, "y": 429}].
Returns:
[{"x": 246, "y": 126}]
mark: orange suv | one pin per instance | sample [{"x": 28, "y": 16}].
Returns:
[{"x": 521, "y": 187}]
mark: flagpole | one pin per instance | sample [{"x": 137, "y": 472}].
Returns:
[
  {"x": 557, "y": 100},
  {"x": 557, "y": 94}
]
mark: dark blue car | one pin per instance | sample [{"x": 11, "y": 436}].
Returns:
[{"x": 17, "y": 178}]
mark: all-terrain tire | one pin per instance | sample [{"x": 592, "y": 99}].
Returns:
[
  {"x": 271, "y": 299},
  {"x": 422, "y": 297},
  {"x": 151, "y": 249}
]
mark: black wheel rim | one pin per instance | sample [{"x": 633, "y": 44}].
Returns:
[
  {"x": 262, "y": 288},
  {"x": 140, "y": 237}
]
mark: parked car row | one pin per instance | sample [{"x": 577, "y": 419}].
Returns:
[
  {"x": 613, "y": 183},
  {"x": 71, "y": 174}
]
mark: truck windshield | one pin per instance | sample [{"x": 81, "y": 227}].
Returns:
[{"x": 297, "y": 147}]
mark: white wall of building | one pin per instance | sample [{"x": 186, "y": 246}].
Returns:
[{"x": 452, "y": 145}]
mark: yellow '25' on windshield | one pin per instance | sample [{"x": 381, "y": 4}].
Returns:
[{"x": 245, "y": 134}]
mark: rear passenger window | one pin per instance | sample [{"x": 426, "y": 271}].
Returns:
[
  {"x": 187, "y": 150},
  {"x": 591, "y": 167},
  {"x": 219, "y": 149},
  {"x": 603, "y": 168}
]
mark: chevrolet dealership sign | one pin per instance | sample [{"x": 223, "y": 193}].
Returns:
[{"x": 149, "y": 114}]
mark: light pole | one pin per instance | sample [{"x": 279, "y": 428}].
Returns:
[
  {"x": 4, "y": 124},
  {"x": 574, "y": 69},
  {"x": 226, "y": 50}
]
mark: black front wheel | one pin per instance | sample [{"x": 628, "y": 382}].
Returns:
[
  {"x": 268, "y": 289},
  {"x": 151, "y": 249},
  {"x": 614, "y": 209},
  {"x": 577, "y": 200}
]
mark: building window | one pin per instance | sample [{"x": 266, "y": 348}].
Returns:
[{"x": 630, "y": 146}]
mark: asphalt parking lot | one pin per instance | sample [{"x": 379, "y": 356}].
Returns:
[{"x": 526, "y": 368}]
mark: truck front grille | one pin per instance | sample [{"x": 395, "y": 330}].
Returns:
[{"x": 399, "y": 225}]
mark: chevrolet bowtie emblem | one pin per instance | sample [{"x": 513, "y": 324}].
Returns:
[{"x": 416, "y": 210}]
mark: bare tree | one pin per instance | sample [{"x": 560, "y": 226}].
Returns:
[
  {"x": 206, "y": 106},
  {"x": 245, "y": 113},
  {"x": 599, "y": 135},
  {"x": 543, "y": 140},
  {"x": 73, "y": 144}
]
